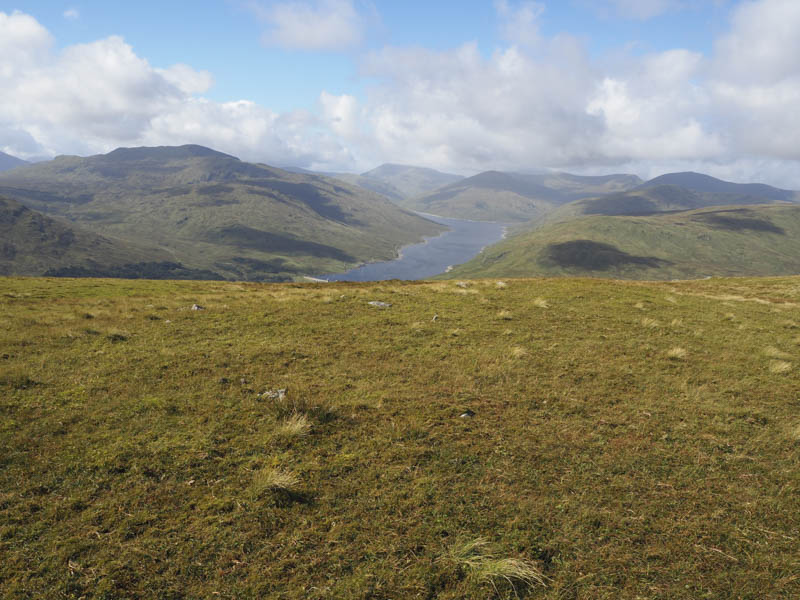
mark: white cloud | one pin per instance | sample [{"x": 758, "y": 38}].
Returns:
[
  {"x": 72, "y": 14},
  {"x": 519, "y": 23},
  {"x": 542, "y": 103},
  {"x": 321, "y": 25},
  {"x": 95, "y": 97}
]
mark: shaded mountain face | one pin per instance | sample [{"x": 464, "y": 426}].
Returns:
[
  {"x": 10, "y": 162},
  {"x": 731, "y": 241},
  {"x": 212, "y": 212},
  {"x": 500, "y": 196}
]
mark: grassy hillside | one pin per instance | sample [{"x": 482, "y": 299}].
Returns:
[
  {"x": 625, "y": 440},
  {"x": 753, "y": 240},
  {"x": 510, "y": 197},
  {"x": 10, "y": 162},
  {"x": 212, "y": 212},
  {"x": 32, "y": 244}
]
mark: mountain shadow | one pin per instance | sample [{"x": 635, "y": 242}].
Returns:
[
  {"x": 738, "y": 220},
  {"x": 595, "y": 256},
  {"x": 265, "y": 241}
]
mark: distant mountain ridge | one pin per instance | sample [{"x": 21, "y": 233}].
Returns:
[
  {"x": 213, "y": 213},
  {"x": 671, "y": 192},
  {"x": 8, "y": 162},
  {"x": 515, "y": 197},
  {"x": 698, "y": 182}
]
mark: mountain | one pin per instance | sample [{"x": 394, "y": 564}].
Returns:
[
  {"x": 212, "y": 212},
  {"x": 8, "y": 162},
  {"x": 515, "y": 197},
  {"x": 378, "y": 186},
  {"x": 409, "y": 181},
  {"x": 738, "y": 240},
  {"x": 671, "y": 192},
  {"x": 705, "y": 184},
  {"x": 35, "y": 244}
]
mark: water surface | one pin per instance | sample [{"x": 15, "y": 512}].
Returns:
[{"x": 464, "y": 240}]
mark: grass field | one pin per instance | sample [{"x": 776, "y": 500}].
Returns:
[{"x": 619, "y": 439}]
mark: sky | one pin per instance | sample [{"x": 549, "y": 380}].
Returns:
[{"x": 585, "y": 86}]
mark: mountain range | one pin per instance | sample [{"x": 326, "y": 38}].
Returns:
[
  {"x": 210, "y": 212},
  {"x": 193, "y": 212}
]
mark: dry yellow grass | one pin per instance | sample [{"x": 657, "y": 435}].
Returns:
[
  {"x": 677, "y": 353},
  {"x": 518, "y": 352},
  {"x": 505, "y": 315},
  {"x": 651, "y": 323},
  {"x": 541, "y": 303},
  {"x": 476, "y": 558},
  {"x": 272, "y": 479},
  {"x": 779, "y": 366},
  {"x": 773, "y": 352},
  {"x": 296, "y": 425}
]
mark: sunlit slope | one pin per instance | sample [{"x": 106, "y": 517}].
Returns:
[
  {"x": 212, "y": 211},
  {"x": 749, "y": 240},
  {"x": 620, "y": 440}
]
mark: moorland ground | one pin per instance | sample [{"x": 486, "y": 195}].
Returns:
[{"x": 620, "y": 439}]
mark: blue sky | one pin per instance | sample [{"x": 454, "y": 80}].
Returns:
[
  {"x": 641, "y": 86},
  {"x": 224, "y": 37}
]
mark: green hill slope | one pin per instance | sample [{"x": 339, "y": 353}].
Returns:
[
  {"x": 753, "y": 240},
  {"x": 213, "y": 212},
  {"x": 621, "y": 440},
  {"x": 515, "y": 197},
  {"x": 34, "y": 244}
]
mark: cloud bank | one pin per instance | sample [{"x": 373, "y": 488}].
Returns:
[{"x": 535, "y": 101}]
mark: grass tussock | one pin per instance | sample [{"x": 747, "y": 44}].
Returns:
[
  {"x": 676, "y": 323},
  {"x": 271, "y": 479},
  {"x": 677, "y": 353},
  {"x": 295, "y": 426},
  {"x": 476, "y": 559},
  {"x": 519, "y": 352},
  {"x": 773, "y": 352},
  {"x": 541, "y": 303},
  {"x": 505, "y": 315},
  {"x": 779, "y": 367},
  {"x": 650, "y": 323}
]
